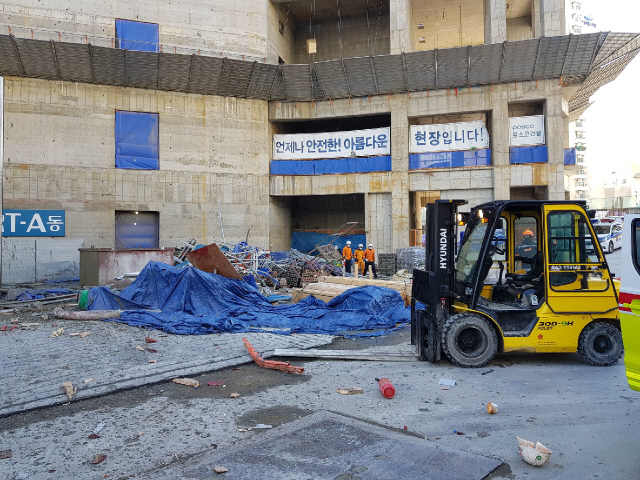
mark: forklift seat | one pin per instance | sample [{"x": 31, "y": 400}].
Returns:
[{"x": 535, "y": 274}]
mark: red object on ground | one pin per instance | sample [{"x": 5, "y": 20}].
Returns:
[
  {"x": 272, "y": 364},
  {"x": 3, "y": 329},
  {"x": 215, "y": 383},
  {"x": 386, "y": 388},
  {"x": 149, "y": 340}
]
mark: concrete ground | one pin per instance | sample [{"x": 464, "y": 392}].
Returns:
[{"x": 586, "y": 415}]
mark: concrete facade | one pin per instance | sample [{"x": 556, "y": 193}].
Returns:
[{"x": 60, "y": 142}]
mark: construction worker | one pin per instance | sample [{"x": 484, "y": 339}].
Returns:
[
  {"x": 370, "y": 260},
  {"x": 359, "y": 254},
  {"x": 347, "y": 254}
]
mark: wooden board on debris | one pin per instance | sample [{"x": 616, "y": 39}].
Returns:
[
  {"x": 362, "y": 281},
  {"x": 326, "y": 291},
  {"x": 211, "y": 259}
]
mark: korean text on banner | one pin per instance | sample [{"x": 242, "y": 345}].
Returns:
[
  {"x": 33, "y": 223},
  {"x": 449, "y": 137},
  {"x": 355, "y": 143},
  {"x": 526, "y": 131}
]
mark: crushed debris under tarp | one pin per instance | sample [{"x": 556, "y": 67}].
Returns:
[{"x": 193, "y": 302}]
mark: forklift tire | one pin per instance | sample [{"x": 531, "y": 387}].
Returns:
[
  {"x": 600, "y": 344},
  {"x": 469, "y": 340}
]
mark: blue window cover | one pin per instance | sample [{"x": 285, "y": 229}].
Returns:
[
  {"x": 463, "y": 158},
  {"x": 569, "y": 156},
  {"x": 136, "y": 230},
  {"x": 536, "y": 154},
  {"x": 137, "y": 140},
  {"x": 139, "y": 36},
  {"x": 331, "y": 166},
  {"x": 305, "y": 242}
]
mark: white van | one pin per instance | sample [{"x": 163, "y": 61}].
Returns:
[{"x": 609, "y": 235}]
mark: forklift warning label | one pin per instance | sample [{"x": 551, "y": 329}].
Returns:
[{"x": 550, "y": 325}]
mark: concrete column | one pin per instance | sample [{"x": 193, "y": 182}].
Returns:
[
  {"x": 1, "y": 163},
  {"x": 400, "y": 26},
  {"x": 552, "y": 17},
  {"x": 555, "y": 125},
  {"x": 400, "y": 220},
  {"x": 500, "y": 146},
  {"x": 495, "y": 25}
]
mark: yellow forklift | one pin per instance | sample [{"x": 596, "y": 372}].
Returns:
[{"x": 527, "y": 276}]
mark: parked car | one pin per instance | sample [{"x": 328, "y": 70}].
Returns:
[
  {"x": 609, "y": 235},
  {"x": 629, "y": 299}
]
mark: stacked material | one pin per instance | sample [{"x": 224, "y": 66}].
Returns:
[
  {"x": 330, "y": 287},
  {"x": 410, "y": 258},
  {"x": 386, "y": 264}
]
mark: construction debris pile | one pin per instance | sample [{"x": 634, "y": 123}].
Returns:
[{"x": 193, "y": 302}]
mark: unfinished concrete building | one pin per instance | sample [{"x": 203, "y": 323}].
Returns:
[{"x": 135, "y": 124}]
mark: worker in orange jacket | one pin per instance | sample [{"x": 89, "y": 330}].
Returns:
[
  {"x": 347, "y": 254},
  {"x": 359, "y": 254},
  {"x": 370, "y": 260}
]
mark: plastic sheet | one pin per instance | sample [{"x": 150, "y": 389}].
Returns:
[
  {"x": 137, "y": 140},
  {"x": 139, "y": 36},
  {"x": 188, "y": 301},
  {"x": 331, "y": 166},
  {"x": 462, "y": 158},
  {"x": 536, "y": 154},
  {"x": 306, "y": 241}
]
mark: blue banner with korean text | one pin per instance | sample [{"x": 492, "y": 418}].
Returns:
[{"x": 33, "y": 223}]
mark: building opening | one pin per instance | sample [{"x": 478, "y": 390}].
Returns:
[{"x": 136, "y": 229}]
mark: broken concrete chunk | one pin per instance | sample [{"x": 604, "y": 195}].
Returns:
[
  {"x": 220, "y": 469},
  {"x": 447, "y": 382},
  {"x": 140, "y": 347},
  {"x": 99, "y": 459},
  {"x": 234, "y": 395},
  {"x": 69, "y": 389},
  {"x": 81, "y": 334},
  {"x": 189, "y": 382},
  {"x": 57, "y": 333}
]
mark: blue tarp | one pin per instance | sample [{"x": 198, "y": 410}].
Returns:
[
  {"x": 331, "y": 166},
  {"x": 462, "y": 158},
  {"x": 189, "y": 301},
  {"x": 535, "y": 154},
  {"x": 139, "y": 36},
  {"x": 41, "y": 293},
  {"x": 307, "y": 241},
  {"x": 570, "y": 156},
  {"x": 137, "y": 140}
]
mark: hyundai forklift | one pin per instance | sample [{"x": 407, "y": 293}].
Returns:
[{"x": 525, "y": 276}]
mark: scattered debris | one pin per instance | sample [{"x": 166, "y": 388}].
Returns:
[
  {"x": 215, "y": 383},
  {"x": 106, "y": 475},
  {"x": 88, "y": 380},
  {"x": 234, "y": 395},
  {"x": 447, "y": 382},
  {"x": 349, "y": 391},
  {"x": 260, "y": 426},
  {"x": 81, "y": 334},
  {"x": 458, "y": 432},
  {"x": 5, "y": 454},
  {"x": 487, "y": 371},
  {"x": 220, "y": 469},
  {"x": 153, "y": 361},
  {"x": 386, "y": 387},
  {"x": 99, "y": 427},
  {"x": 189, "y": 382},
  {"x": 30, "y": 324},
  {"x": 536, "y": 455},
  {"x": 445, "y": 388},
  {"x": 57, "y": 333},
  {"x": 492, "y": 408},
  {"x": 149, "y": 340},
  {"x": 101, "y": 457},
  {"x": 272, "y": 364},
  {"x": 94, "y": 436},
  {"x": 140, "y": 347},
  {"x": 69, "y": 389},
  {"x": 152, "y": 350}
]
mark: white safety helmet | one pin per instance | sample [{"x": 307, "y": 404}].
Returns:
[
  {"x": 371, "y": 245},
  {"x": 348, "y": 242},
  {"x": 360, "y": 246}
]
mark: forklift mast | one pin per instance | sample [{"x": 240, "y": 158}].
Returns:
[{"x": 434, "y": 286}]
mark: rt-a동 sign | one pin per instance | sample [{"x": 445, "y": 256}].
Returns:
[
  {"x": 33, "y": 223},
  {"x": 526, "y": 131}
]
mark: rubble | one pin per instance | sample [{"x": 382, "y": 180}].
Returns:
[{"x": 69, "y": 389}]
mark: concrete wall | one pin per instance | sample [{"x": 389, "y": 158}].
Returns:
[
  {"x": 60, "y": 154},
  {"x": 280, "y": 223},
  {"x": 355, "y": 41}
]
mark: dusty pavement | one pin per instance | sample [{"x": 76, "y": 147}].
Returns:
[{"x": 586, "y": 415}]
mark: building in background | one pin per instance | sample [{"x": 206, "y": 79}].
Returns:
[
  {"x": 133, "y": 124},
  {"x": 579, "y": 22}
]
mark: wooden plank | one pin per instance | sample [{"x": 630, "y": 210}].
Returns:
[{"x": 347, "y": 355}]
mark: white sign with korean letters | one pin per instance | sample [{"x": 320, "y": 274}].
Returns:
[
  {"x": 526, "y": 131},
  {"x": 448, "y": 137},
  {"x": 356, "y": 143}
]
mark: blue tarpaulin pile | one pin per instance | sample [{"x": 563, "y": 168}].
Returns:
[{"x": 188, "y": 301}]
